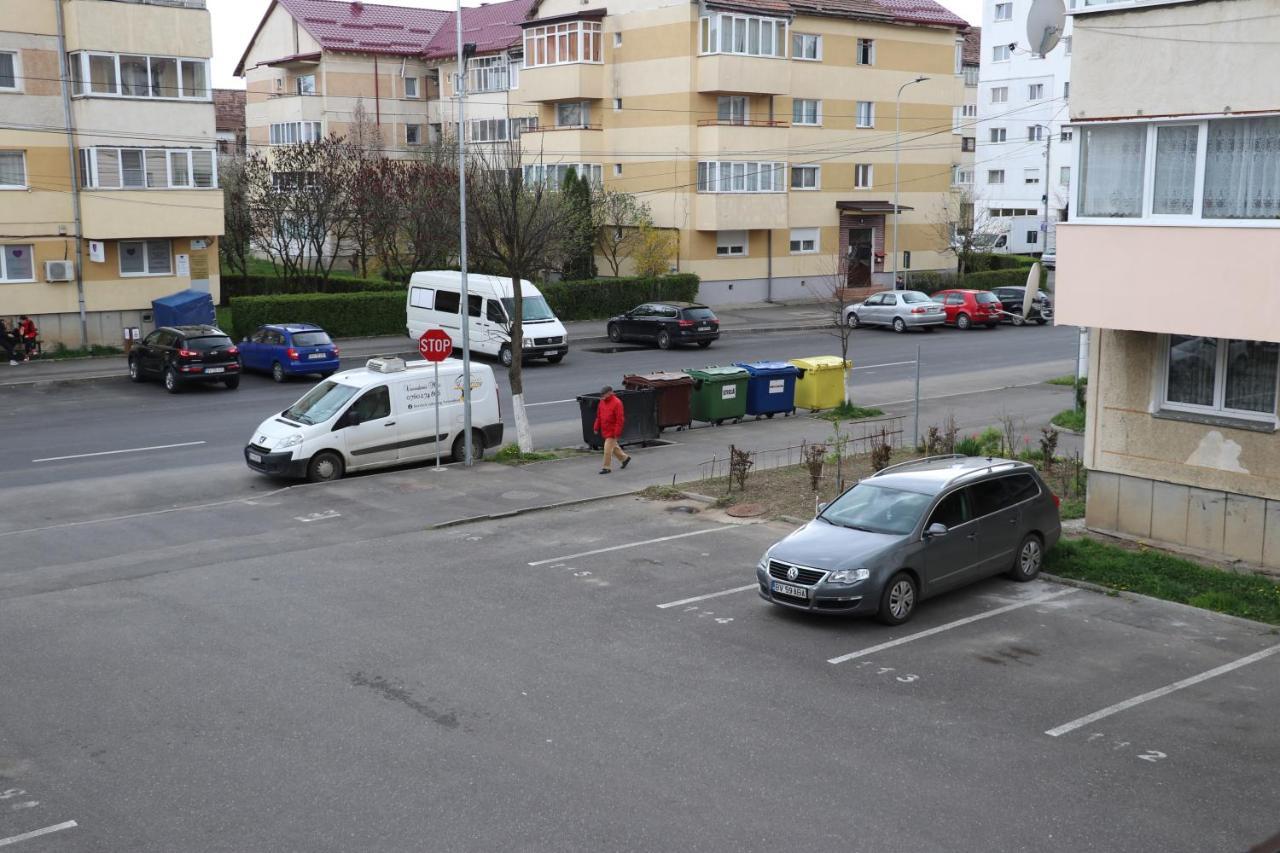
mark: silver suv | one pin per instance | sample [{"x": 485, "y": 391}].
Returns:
[{"x": 912, "y": 531}]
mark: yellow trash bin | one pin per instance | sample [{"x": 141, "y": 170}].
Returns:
[{"x": 821, "y": 382}]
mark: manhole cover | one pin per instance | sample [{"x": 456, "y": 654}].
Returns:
[{"x": 745, "y": 510}]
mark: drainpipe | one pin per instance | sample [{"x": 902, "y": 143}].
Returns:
[
  {"x": 75, "y": 180},
  {"x": 377, "y": 94},
  {"x": 768, "y": 257}
]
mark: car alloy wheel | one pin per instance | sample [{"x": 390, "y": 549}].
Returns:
[
  {"x": 171, "y": 381},
  {"x": 899, "y": 325},
  {"x": 1030, "y": 559},
  {"x": 504, "y": 355},
  {"x": 664, "y": 340},
  {"x": 852, "y": 320},
  {"x": 1018, "y": 320},
  {"x": 277, "y": 372},
  {"x": 898, "y": 601},
  {"x": 615, "y": 334},
  {"x": 962, "y": 321},
  {"x": 133, "y": 370}
]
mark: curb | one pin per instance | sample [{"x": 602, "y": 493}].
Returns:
[{"x": 476, "y": 519}]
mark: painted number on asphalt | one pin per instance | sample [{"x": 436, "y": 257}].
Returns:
[
  {"x": 704, "y": 614},
  {"x": 1151, "y": 756},
  {"x": 888, "y": 671}
]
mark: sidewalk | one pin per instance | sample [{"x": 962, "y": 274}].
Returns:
[{"x": 734, "y": 319}]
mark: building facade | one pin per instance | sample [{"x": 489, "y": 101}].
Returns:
[
  {"x": 1178, "y": 208},
  {"x": 129, "y": 144},
  {"x": 1025, "y": 147},
  {"x": 965, "y": 120}
]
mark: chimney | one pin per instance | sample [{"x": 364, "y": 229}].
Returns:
[{"x": 356, "y": 7}]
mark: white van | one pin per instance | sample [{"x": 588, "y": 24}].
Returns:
[
  {"x": 378, "y": 415},
  {"x": 434, "y": 298}
]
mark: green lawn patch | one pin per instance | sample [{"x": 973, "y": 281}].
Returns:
[
  {"x": 1069, "y": 381},
  {"x": 850, "y": 412},
  {"x": 1071, "y": 508},
  {"x": 510, "y": 455},
  {"x": 1070, "y": 419},
  {"x": 1161, "y": 575}
]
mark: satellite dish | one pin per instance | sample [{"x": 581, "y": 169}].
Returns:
[
  {"x": 1044, "y": 25},
  {"x": 1033, "y": 285}
]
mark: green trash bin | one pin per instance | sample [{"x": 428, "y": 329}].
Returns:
[{"x": 719, "y": 393}]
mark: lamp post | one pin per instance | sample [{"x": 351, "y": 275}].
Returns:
[
  {"x": 464, "y": 302},
  {"x": 897, "y": 156}
]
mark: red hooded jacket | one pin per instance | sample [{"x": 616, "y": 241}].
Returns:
[{"x": 610, "y": 417}]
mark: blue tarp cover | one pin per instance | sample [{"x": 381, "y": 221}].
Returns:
[{"x": 185, "y": 308}]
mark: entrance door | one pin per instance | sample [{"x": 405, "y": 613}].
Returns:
[{"x": 861, "y": 241}]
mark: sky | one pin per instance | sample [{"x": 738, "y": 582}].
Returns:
[{"x": 235, "y": 20}]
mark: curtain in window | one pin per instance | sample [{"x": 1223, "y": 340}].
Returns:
[
  {"x": 134, "y": 79},
  {"x": 131, "y": 258},
  {"x": 157, "y": 169},
  {"x": 1193, "y": 363},
  {"x": 18, "y": 263},
  {"x": 202, "y": 168},
  {"x": 1251, "y": 376},
  {"x": 1175, "y": 178},
  {"x": 1111, "y": 177},
  {"x": 164, "y": 77},
  {"x": 158, "y": 257},
  {"x": 1242, "y": 169},
  {"x": 12, "y": 171}
]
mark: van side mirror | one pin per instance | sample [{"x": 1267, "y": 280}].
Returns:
[
  {"x": 349, "y": 419},
  {"x": 822, "y": 507},
  {"x": 935, "y": 530}
]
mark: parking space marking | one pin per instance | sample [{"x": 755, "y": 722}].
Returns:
[
  {"x": 635, "y": 544},
  {"x": 1066, "y": 728},
  {"x": 36, "y": 833},
  {"x": 968, "y": 620},
  {"x": 708, "y": 595},
  {"x": 116, "y": 452}
]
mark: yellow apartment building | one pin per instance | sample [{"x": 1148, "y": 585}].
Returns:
[{"x": 123, "y": 135}]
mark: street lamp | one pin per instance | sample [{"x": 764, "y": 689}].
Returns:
[{"x": 897, "y": 155}]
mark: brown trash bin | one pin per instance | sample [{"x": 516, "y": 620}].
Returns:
[{"x": 674, "y": 392}]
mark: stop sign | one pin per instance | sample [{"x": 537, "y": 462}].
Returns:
[{"x": 435, "y": 345}]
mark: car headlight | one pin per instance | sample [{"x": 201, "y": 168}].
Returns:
[
  {"x": 528, "y": 342},
  {"x": 291, "y": 441},
  {"x": 848, "y": 575},
  {"x": 763, "y": 565}
]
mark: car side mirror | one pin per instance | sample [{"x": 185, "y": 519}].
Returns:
[{"x": 935, "y": 530}]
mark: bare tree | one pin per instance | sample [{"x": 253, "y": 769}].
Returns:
[
  {"x": 237, "y": 217},
  {"x": 963, "y": 227},
  {"x": 523, "y": 229},
  {"x": 836, "y": 299},
  {"x": 618, "y": 217},
  {"x": 409, "y": 210}
]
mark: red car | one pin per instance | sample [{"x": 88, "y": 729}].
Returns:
[{"x": 967, "y": 308}]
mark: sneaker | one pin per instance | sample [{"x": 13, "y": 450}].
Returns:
[
  {"x": 626, "y": 462},
  {"x": 604, "y": 471},
  {"x": 13, "y": 363}
]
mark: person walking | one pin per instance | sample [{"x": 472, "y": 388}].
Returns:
[
  {"x": 29, "y": 335},
  {"x": 610, "y": 419}
]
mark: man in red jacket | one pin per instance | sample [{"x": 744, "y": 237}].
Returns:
[{"x": 610, "y": 419}]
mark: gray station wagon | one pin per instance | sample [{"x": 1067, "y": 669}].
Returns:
[{"x": 912, "y": 531}]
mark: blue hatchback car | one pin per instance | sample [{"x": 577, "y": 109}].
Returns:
[{"x": 289, "y": 349}]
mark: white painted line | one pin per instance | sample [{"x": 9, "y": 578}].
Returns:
[
  {"x": 889, "y": 364},
  {"x": 317, "y": 516},
  {"x": 549, "y": 403},
  {"x": 968, "y": 620},
  {"x": 708, "y": 595},
  {"x": 116, "y": 452},
  {"x": 1162, "y": 691},
  {"x": 36, "y": 833},
  {"x": 634, "y": 545}
]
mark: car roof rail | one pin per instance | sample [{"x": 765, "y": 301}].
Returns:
[
  {"x": 941, "y": 456},
  {"x": 987, "y": 469}
]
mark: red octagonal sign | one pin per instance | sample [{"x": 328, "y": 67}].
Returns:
[{"x": 435, "y": 345}]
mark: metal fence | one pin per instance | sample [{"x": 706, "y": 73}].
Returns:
[{"x": 864, "y": 436}]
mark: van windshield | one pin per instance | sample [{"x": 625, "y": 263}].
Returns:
[
  {"x": 535, "y": 308},
  {"x": 321, "y": 403}
]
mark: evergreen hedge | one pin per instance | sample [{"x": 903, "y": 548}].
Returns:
[
  {"x": 1002, "y": 278},
  {"x": 601, "y": 298},
  {"x": 270, "y": 285}
]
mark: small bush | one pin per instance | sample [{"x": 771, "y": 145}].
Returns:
[
  {"x": 1071, "y": 419},
  {"x": 598, "y": 299},
  {"x": 850, "y": 412},
  {"x": 932, "y": 282},
  {"x": 342, "y": 315},
  {"x": 991, "y": 441},
  {"x": 510, "y": 454},
  {"x": 969, "y": 446},
  {"x": 274, "y": 285},
  {"x": 1001, "y": 278}
]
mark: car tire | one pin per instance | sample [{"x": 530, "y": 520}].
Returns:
[
  {"x": 504, "y": 355},
  {"x": 325, "y": 467},
  {"x": 899, "y": 325},
  {"x": 898, "y": 600},
  {"x": 458, "y": 453},
  {"x": 135, "y": 372},
  {"x": 615, "y": 333},
  {"x": 852, "y": 320},
  {"x": 704, "y": 344},
  {"x": 664, "y": 339},
  {"x": 962, "y": 321},
  {"x": 555, "y": 359},
  {"x": 1040, "y": 321},
  {"x": 1028, "y": 559},
  {"x": 326, "y": 374},
  {"x": 277, "y": 372},
  {"x": 993, "y": 325},
  {"x": 928, "y": 328},
  {"x": 232, "y": 382},
  {"x": 1018, "y": 320},
  {"x": 171, "y": 382}
]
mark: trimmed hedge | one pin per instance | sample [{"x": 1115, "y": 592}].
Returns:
[
  {"x": 1002, "y": 278},
  {"x": 270, "y": 285},
  {"x": 598, "y": 299},
  {"x": 342, "y": 315},
  {"x": 987, "y": 261}
]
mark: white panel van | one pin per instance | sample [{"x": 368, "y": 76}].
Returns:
[
  {"x": 379, "y": 415},
  {"x": 435, "y": 298}
]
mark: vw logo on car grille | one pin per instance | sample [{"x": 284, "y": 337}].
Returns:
[
  {"x": 793, "y": 573},
  {"x": 262, "y": 439}
]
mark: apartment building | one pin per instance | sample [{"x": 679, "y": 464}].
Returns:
[
  {"x": 1171, "y": 255},
  {"x": 966, "y": 116},
  {"x": 1026, "y": 149},
  {"x": 126, "y": 141},
  {"x": 762, "y": 133},
  {"x": 229, "y": 125}
]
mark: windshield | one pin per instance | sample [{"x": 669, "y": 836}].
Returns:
[
  {"x": 911, "y": 296},
  {"x": 208, "y": 344},
  {"x": 311, "y": 339},
  {"x": 535, "y": 308},
  {"x": 321, "y": 403},
  {"x": 877, "y": 509},
  {"x": 987, "y": 298}
]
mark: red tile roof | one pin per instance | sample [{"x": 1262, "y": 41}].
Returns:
[
  {"x": 971, "y": 53},
  {"x": 492, "y": 27},
  {"x": 865, "y": 9},
  {"x": 922, "y": 12}
]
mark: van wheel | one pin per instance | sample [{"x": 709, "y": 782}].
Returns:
[
  {"x": 504, "y": 355},
  {"x": 325, "y": 467},
  {"x": 898, "y": 601},
  {"x": 554, "y": 359},
  {"x": 459, "y": 452},
  {"x": 962, "y": 321},
  {"x": 615, "y": 334},
  {"x": 277, "y": 372},
  {"x": 1027, "y": 562}
]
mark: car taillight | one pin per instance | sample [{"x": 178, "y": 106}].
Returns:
[
  {"x": 292, "y": 353},
  {"x": 187, "y": 353},
  {"x": 233, "y": 350},
  {"x": 920, "y": 310},
  {"x": 684, "y": 324},
  {"x": 1057, "y": 501},
  {"x": 335, "y": 352}
]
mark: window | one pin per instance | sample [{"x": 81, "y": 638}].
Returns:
[
  {"x": 866, "y": 114},
  {"x": 723, "y": 32},
  {"x": 1066, "y": 45},
  {"x": 145, "y": 257},
  {"x": 562, "y": 44},
  {"x": 961, "y": 177},
  {"x": 1064, "y": 175},
  {"x": 617, "y": 39},
  {"x": 1218, "y": 375},
  {"x": 731, "y": 109},
  {"x": 1066, "y": 90},
  {"x": 411, "y": 87},
  {"x": 573, "y": 114},
  {"x": 999, "y": 94},
  {"x": 969, "y": 143},
  {"x": 487, "y": 130},
  {"x": 1033, "y": 237},
  {"x": 1066, "y": 135},
  {"x": 413, "y": 134},
  {"x": 806, "y": 111},
  {"x": 1031, "y": 176},
  {"x": 617, "y": 169},
  {"x": 1241, "y": 172},
  {"x": 1000, "y": 53},
  {"x": 972, "y": 73},
  {"x": 373, "y": 405},
  {"x": 805, "y": 177},
  {"x": 966, "y": 114},
  {"x": 804, "y": 241},
  {"x": 447, "y": 302},
  {"x": 866, "y": 52},
  {"x": 554, "y": 174},
  {"x": 139, "y": 76},
  {"x": 731, "y": 243},
  {"x": 617, "y": 105},
  {"x": 953, "y": 510},
  {"x": 17, "y": 263},
  {"x": 306, "y": 84},
  {"x": 731, "y": 176},
  {"x": 295, "y": 132},
  {"x": 995, "y": 176},
  {"x": 959, "y": 55},
  {"x": 490, "y": 74},
  {"x": 1035, "y": 91},
  {"x": 1004, "y": 11},
  {"x": 147, "y": 168},
  {"x": 1112, "y": 161},
  {"x": 805, "y": 46},
  {"x": 996, "y": 212},
  {"x": 8, "y": 71},
  {"x": 863, "y": 176},
  {"x": 13, "y": 170},
  {"x": 998, "y": 134},
  {"x": 1035, "y": 133}
]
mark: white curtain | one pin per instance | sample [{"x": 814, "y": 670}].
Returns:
[
  {"x": 1111, "y": 177},
  {"x": 1174, "y": 191},
  {"x": 1251, "y": 376},
  {"x": 1242, "y": 169}
]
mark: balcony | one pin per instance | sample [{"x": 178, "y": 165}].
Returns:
[
  {"x": 725, "y": 136},
  {"x": 579, "y": 81},
  {"x": 762, "y": 75},
  {"x": 132, "y": 214},
  {"x": 551, "y": 143},
  {"x": 739, "y": 211},
  {"x": 1163, "y": 279}
]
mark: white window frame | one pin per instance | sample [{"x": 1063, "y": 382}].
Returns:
[
  {"x": 4, "y": 264},
  {"x": 552, "y": 174},
  {"x": 587, "y": 34},
  {"x": 304, "y": 89},
  {"x": 717, "y": 28},
  {"x": 1000, "y": 53},
  {"x": 26, "y": 178},
  {"x": 1064, "y": 176},
  {"x": 488, "y": 130},
  {"x": 1218, "y": 409},
  {"x": 961, "y": 176},
  {"x": 584, "y": 109},
  {"x": 410, "y": 82},
  {"x": 16, "y": 57},
  {"x": 1035, "y": 133},
  {"x": 1031, "y": 177},
  {"x": 489, "y": 74},
  {"x": 90, "y": 177},
  {"x": 617, "y": 38},
  {"x": 817, "y": 112},
  {"x": 999, "y": 94},
  {"x": 870, "y": 45},
  {"x": 146, "y": 259},
  {"x": 1066, "y": 135},
  {"x": 864, "y": 176},
  {"x": 727, "y": 246},
  {"x": 799, "y": 237},
  {"x": 739, "y": 176},
  {"x": 992, "y": 173},
  {"x": 80, "y": 60},
  {"x": 805, "y": 41},
  {"x": 1035, "y": 91},
  {"x": 1004, "y": 11},
  {"x": 803, "y": 168},
  {"x": 998, "y": 135},
  {"x": 867, "y": 107},
  {"x": 295, "y": 132}
]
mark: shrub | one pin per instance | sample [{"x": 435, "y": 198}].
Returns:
[
  {"x": 272, "y": 285},
  {"x": 599, "y": 298},
  {"x": 342, "y": 315},
  {"x": 931, "y": 282},
  {"x": 1001, "y": 278},
  {"x": 969, "y": 446}
]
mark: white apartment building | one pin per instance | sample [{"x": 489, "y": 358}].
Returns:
[{"x": 1022, "y": 110}]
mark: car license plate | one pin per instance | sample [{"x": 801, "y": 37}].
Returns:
[
  {"x": 704, "y": 328},
  {"x": 316, "y": 355},
  {"x": 788, "y": 589},
  {"x": 255, "y": 457},
  {"x": 215, "y": 370}
]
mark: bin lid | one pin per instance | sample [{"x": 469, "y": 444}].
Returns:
[
  {"x": 658, "y": 377},
  {"x": 769, "y": 368},
  {"x": 714, "y": 373},
  {"x": 820, "y": 362}
]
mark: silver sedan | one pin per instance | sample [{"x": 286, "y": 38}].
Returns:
[{"x": 901, "y": 309}]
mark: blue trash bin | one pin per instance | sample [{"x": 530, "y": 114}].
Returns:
[{"x": 771, "y": 388}]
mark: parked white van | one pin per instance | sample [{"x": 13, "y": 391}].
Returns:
[
  {"x": 434, "y": 298},
  {"x": 378, "y": 415}
]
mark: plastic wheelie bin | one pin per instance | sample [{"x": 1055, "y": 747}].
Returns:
[
  {"x": 639, "y": 408},
  {"x": 674, "y": 392},
  {"x": 772, "y": 387},
  {"x": 821, "y": 382},
  {"x": 719, "y": 394}
]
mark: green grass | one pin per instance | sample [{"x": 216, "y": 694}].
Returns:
[
  {"x": 1069, "y": 381},
  {"x": 850, "y": 412},
  {"x": 663, "y": 493},
  {"x": 1070, "y": 419},
  {"x": 224, "y": 320},
  {"x": 1071, "y": 508},
  {"x": 1164, "y": 576},
  {"x": 62, "y": 351},
  {"x": 510, "y": 455}
]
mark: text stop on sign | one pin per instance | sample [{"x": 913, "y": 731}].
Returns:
[{"x": 435, "y": 345}]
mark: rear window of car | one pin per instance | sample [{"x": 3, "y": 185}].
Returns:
[
  {"x": 311, "y": 339},
  {"x": 698, "y": 314},
  {"x": 911, "y": 296},
  {"x": 987, "y": 298},
  {"x": 208, "y": 343}
]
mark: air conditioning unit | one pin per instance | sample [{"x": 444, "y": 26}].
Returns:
[
  {"x": 59, "y": 270},
  {"x": 386, "y": 364}
]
